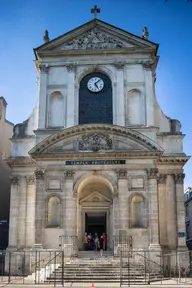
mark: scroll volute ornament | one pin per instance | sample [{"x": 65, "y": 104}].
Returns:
[
  {"x": 162, "y": 178},
  {"x": 69, "y": 174},
  {"x": 39, "y": 174},
  {"x": 152, "y": 173},
  {"x": 15, "y": 180},
  {"x": 122, "y": 174},
  {"x": 179, "y": 178}
]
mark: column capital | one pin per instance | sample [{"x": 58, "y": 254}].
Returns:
[
  {"x": 179, "y": 178},
  {"x": 122, "y": 174},
  {"x": 162, "y": 178},
  {"x": 71, "y": 67},
  {"x": 44, "y": 68},
  {"x": 152, "y": 173},
  {"x": 39, "y": 174},
  {"x": 15, "y": 180},
  {"x": 31, "y": 179},
  {"x": 119, "y": 65},
  {"x": 69, "y": 174},
  {"x": 148, "y": 65}
]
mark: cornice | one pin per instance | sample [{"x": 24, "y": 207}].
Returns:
[
  {"x": 167, "y": 160},
  {"x": 98, "y": 156},
  {"x": 20, "y": 161},
  {"x": 57, "y": 53}
]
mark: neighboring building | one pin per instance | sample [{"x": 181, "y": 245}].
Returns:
[
  {"x": 97, "y": 153},
  {"x": 188, "y": 220},
  {"x": 6, "y": 132}
]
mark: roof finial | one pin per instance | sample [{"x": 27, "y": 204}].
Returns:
[
  {"x": 145, "y": 34},
  {"x": 95, "y": 10},
  {"x": 46, "y": 36}
]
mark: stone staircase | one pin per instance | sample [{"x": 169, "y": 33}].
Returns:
[{"x": 90, "y": 267}]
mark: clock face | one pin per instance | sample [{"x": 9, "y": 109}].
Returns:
[{"x": 95, "y": 84}]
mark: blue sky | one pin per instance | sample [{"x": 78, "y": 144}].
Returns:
[{"x": 22, "y": 24}]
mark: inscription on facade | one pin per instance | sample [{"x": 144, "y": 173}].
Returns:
[{"x": 96, "y": 162}]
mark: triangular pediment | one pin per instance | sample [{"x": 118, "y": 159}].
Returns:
[
  {"x": 95, "y": 197},
  {"x": 96, "y": 35}
]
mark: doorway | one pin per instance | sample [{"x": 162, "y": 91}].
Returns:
[{"x": 95, "y": 222}]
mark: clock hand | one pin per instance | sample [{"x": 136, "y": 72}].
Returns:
[
  {"x": 98, "y": 81},
  {"x": 96, "y": 84}
]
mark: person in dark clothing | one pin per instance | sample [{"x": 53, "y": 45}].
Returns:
[{"x": 101, "y": 245}]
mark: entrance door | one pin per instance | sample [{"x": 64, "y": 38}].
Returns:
[{"x": 95, "y": 222}]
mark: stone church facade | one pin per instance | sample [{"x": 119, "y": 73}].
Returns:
[{"x": 97, "y": 153}]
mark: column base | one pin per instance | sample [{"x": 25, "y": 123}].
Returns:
[
  {"x": 38, "y": 246},
  {"x": 155, "y": 247}
]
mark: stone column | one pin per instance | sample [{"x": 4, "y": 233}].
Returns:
[
  {"x": 153, "y": 209},
  {"x": 30, "y": 215},
  {"x": 171, "y": 212},
  {"x": 43, "y": 95},
  {"x": 123, "y": 202},
  {"x": 120, "y": 94},
  {"x": 39, "y": 204},
  {"x": 181, "y": 241},
  {"x": 149, "y": 94},
  {"x": 71, "y": 205},
  {"x": 22, "y": 212},
  {"x": 14, "y": 212},
  {"x": 71, "y": 95},
  {"x": 162, "y": 210}
]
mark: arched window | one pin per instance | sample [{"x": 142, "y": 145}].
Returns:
[
  {"x": 95, "y": 99},
  {"x": 138, "y": 212},
  {"x": 56, "y": 110},
  {"x": 135, "y": 110},
  {"x": 53, "y": 212}
]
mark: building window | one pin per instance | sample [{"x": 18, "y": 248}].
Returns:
[
  {"x": 53, "y": 212},
  {"x": 137, "y": 212}
]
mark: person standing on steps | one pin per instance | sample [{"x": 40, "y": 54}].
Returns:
[
  {"x": 85, "y": 242},
  {"x": 104, "y": 241},
  {"x": 96, "y": 240},
  {"x": 101, "y": 246}
]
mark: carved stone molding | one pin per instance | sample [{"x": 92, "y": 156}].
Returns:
[
  {"x": 44, "y": 68},
  {"x": 69, "y": 174},
  {"x": 119, "y": 65},
  {"x": 15, "y": 180},
  {"x": 31, "y": 179},
  {"x": 162, "y": 178},
  {"x": 152, "y": 173},
  {"x": 95, "y": 142},
  {"x": 179, "y": 178},
  {"x": 94, "y": 39},
  {"x": 122, "y": 174},
  {"x": 39, "y": 174},
  {"x": 71, "y": 67}
]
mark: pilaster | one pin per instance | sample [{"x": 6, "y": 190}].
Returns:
[
  {"x": 123, "y": 201},
  {"x": 181, "y": 241},
  {"x": 39, "y": 204},
  {"x": 71, "y": 95},
  {"x": 162, "y": 209},
  {"x": 14, "y": 212},
  {"x": 22, "y": 212},
  {"x": 30, "y": 215},
  {"x": 71, "y": 204},
  {"x": 171, "y": 212},
  {"x": 153, "y": 209},
  {"x": 43, "y": 95},
  {"x": 120, "y": 94},
  {"x": 149, "y": 94}
]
